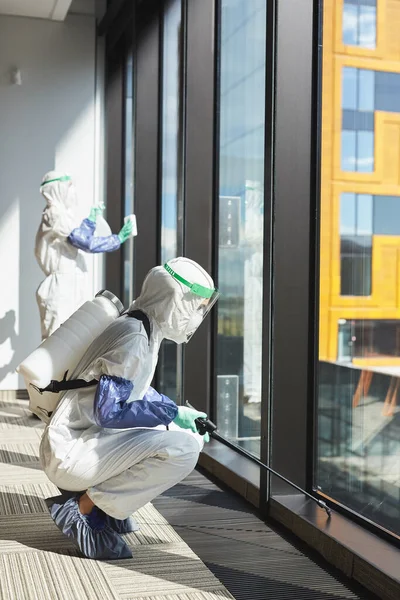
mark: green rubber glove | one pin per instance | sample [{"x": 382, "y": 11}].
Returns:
[
  {"x": 186, "y": 418},
  {"x": 95, "y": 211},
  {"x": 126, "y": 232}
]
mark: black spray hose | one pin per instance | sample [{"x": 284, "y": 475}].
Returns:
[{"x": 206, "y": 426}]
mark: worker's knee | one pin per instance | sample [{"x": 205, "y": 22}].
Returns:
[{"x": 183, "y": 450}]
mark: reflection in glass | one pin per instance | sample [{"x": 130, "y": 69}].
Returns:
[
  {"x": 350, "y": 29},
  {"x": 349, "y": 91},
  {"x": 365, "y": 151},
  {"x": 386, "y": 220},
  {"x": 387, "y": 91},
  {"x": 366, "y": 94},
  {"x": 241, "y": 209},
  {"x": 170, "y": 362},
  {"x": 358, "y": 104},
  {"x": 367, "y": 25},
  {"x": 359, "y": 23},
  {"x": 355, "y": 265},
  {"x": 358, "y": 400},
  {"x": 355, "y": 244},
  {"x": 348, "y": 221},
  {"x": 128, "y": 247},
  {"x": 349, "y": 151}
]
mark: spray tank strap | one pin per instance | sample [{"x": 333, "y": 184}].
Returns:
[
  {"x": 55, "y": 386},
  {"x": 143, "y": 318}
]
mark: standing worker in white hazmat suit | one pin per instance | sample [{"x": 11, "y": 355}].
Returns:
[
  {"x": 58, "y": 249},
  {"x": 119, "y": 443}
]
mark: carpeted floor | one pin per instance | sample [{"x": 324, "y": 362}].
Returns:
[{"x": 37, "y": 561}]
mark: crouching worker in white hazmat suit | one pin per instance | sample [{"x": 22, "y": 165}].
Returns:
[
  {"x": 119, "y": 443},
  {"x": 60, "y": 240}
]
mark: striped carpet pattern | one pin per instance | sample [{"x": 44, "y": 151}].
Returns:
[
  {"x": 251, "y": 558},
  {"x": 37, "y": 561}
]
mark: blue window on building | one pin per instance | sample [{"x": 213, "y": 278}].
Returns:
[
  {"x": 361, "y": 217},
  {"x": 364, "y": 92},
  {"x": 359, "y": 23},
  {"x": 356, "y": 228}
]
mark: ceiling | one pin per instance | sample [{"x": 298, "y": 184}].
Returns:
[{"x": 55, "y": 10}]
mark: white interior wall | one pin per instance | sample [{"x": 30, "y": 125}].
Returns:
[{"x": 52, "y": 121}]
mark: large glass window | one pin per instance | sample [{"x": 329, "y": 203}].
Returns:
[
  {"x": 170, "y": 363},
  {"x": 241, "y": 209},
  {"x": 358, "y": 401}
]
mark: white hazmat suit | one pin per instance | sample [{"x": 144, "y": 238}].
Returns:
[
  {"x": 64, "y": 288},
  {"x": 123, "y": 469},
  {"x": 61, "y": 243}
]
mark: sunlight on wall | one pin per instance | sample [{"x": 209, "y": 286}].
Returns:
[{"x": 9, "y": 297}]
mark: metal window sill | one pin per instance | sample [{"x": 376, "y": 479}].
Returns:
[
  {"x": 236, "y": 471},
  {"x": 361, "y": 555}
]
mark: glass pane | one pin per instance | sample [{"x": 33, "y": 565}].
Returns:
[
  {"x": 355, "y": 120},
  {"x": 373, "y": 338},
  {"x": 170, "y": 131},
  {"x": 350, "y": 24},
  {"x": 348, "y": 214},
  {"x": 365, "y": 151},
  {"x": 367, "y": 27},
  {"x": 387, "y": 92},
  {"x": 358, "y": 399},
  {"x": 365, "y": 206},
  {"x": 366, "y": 90},
  {"x": 344, "y": 341},
  {"x": 364, "y": 215},
  {"x": 127, "y": 248},
  {"x": 359, "y": 23},
  {"x": 387, "y": 215},
  {"x": 241, "y": 210},
  {"x": 349, "y": 92},
  {"x": 349, "y": 157},
  {"x": 169, "y": 369},
  {"x": 356, "y": 264}
]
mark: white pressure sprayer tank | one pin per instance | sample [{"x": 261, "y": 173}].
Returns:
[{"x": 63, "y": 350}]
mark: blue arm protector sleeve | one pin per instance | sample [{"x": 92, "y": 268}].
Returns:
[
  {"x": 111, "y": 409},
  {"x": 83, "y": 238}
]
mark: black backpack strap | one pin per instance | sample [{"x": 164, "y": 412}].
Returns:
[
  {"x": 56, "y": 387},
  {"x": 141, "y": 316}
]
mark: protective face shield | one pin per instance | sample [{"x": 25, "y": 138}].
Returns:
[
  {"x": 177, "y": 296},
  {"x": 207, "y": 297}
]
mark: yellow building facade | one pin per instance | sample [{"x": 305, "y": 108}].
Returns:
[{"x": 372, "y": 177}]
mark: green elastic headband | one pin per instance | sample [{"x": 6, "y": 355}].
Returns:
[
  {"x": 196, "y": 288},
  {"x": 63, "y": 178}
]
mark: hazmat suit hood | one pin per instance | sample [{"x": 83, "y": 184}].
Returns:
[
  {"x": 170, "y": 303},
  {"x": 61, "y": 199}
]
